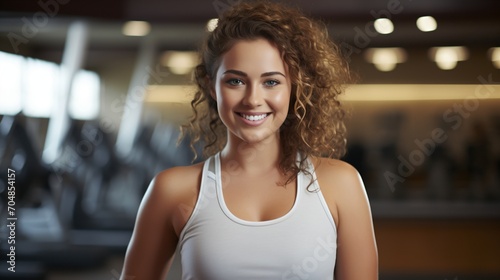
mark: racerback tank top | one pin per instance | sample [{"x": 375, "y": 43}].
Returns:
[{"x": 217, "y": 245}]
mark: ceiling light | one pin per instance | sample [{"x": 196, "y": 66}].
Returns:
[
  {"x": 383, "y": 25},
  {"x": 447, "y": 58},
  {"x": 426, "y": 24},
  {"x": 180, "y": 62},
  {"x": 136, "y": 28},
  {"x": 385, "y": 59},
  {"x": 495, "y": 56},
  {"x": 212, "y": 24}
]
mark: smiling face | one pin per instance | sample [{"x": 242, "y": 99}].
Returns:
[{"x": 252, "y": 90}]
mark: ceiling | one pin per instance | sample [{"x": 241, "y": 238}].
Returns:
[
  {"x": 201, "y": 10},
  {"x": 181, "y": 25},
  {"x": 460, "y": 22}
]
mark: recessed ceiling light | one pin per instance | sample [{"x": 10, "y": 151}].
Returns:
[
  {"x": 426, "y": 23},
  {"x": 385, "y": 59},
  {"x": 447, "y": 58},
  {"x": 136, "y": 28},
  {"x": 383, "y": 25},
  {"x": 495, "y": 56},
  {"x": 180, "y": 62}
]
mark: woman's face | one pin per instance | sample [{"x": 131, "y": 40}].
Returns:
[{"x": 252, "y": 90}]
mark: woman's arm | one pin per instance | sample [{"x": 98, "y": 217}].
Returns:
[
  {"x": 154, "y": 240},
  {"x": 345, "y": 193}
]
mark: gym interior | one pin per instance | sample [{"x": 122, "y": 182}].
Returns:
[{"x": 92, "y": 94}]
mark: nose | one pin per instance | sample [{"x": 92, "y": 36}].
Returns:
[{"x": 253, "y": 97}]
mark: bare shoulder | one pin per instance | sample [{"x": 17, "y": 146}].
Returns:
[
  {"x": 178, "y": 179},
  {"x": 344, "y": 192},
  {"x": 172, "y": 195},
  {"x": 336, "y": 174},
  {"x": 177, "y": 184},
  {"x": 341, "y": 185}
]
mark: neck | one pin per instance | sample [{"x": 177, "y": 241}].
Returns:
[{"x": 252, "y": 158}]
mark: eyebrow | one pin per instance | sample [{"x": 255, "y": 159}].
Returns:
[{"x": 243, "y": 74}]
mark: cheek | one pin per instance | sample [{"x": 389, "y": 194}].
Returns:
[
  {"x": 225, "y": 102},
  {"x": 281, "y": 101},
  {"x": 281, "y": 105}
]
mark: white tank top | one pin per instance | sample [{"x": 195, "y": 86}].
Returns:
[{"x": 217, "y": 245}]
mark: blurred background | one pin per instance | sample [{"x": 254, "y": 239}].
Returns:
[{"x": 92, "y": 93}]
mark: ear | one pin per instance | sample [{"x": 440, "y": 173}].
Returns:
[
  {"x": 211, "y": 88},
  {"x": 212, "y": 93}
]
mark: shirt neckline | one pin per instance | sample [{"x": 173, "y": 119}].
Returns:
[{"x": 230, "y": 215}]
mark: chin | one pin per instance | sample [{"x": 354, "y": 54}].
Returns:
[{"x": 257, "y": 138}]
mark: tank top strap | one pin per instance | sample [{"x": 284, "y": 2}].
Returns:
[
  {"x": 206, "y": 193},
  {"x": 211, "y": 163},
  {"x": 309, "y": 179}
]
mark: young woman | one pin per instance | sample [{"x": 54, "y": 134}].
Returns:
[{"x": 270, "y": 202}]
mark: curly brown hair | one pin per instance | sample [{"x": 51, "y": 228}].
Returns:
[{"x": 318, "y": 71}]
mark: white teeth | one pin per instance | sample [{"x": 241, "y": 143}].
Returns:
[{"x": 254, "y": 117}]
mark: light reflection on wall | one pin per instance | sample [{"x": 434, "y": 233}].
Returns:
[
  {"x": 84, "y": 99},
  {"x": 39, "y": 87},
  {"x": 10, "y": 83},
  {"x": 29, "y": 85}
]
